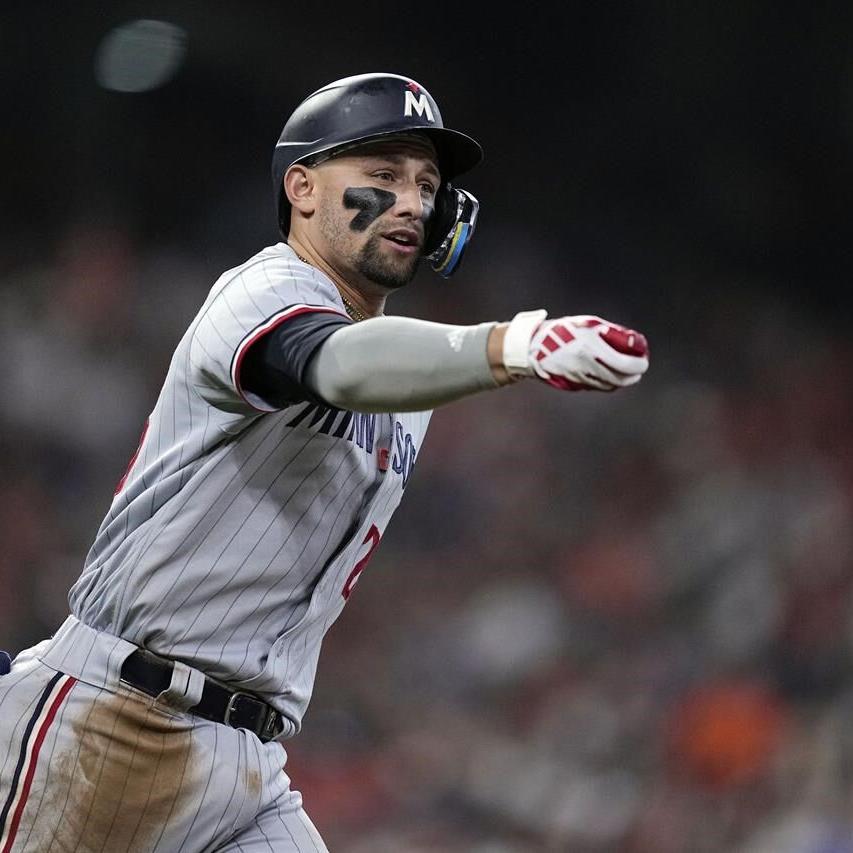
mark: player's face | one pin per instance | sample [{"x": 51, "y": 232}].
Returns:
[{"x": 374, "y": 206}]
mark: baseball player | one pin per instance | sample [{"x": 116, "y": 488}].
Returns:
[{"x": 285, "y": 433}]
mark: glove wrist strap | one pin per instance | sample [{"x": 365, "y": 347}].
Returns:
[{"x": 516, "y": 347}]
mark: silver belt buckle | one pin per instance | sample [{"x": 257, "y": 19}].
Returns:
[
  {"x": 265, "y": 727},
  {"x": 232, "y": 701}
]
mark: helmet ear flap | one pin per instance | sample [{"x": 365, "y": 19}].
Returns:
[{"x": 451, "y": 229}]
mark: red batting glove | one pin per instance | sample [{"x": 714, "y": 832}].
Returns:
[{"x": 579, "y": 353}]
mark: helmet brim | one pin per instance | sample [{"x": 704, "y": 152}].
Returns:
[{"x": 457, "y": 152}]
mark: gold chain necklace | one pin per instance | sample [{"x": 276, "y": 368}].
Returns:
[{"x": 356, "y": 314}]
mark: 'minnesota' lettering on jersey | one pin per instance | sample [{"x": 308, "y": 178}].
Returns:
[
  {"x": 405, "y": 453},
  {"x": 371, "y": 203},
  {"x": 359, "y": 428}
]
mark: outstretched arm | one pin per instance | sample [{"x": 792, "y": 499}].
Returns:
[{"x": 403, "y": 364}]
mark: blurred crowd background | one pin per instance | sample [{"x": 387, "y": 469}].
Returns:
[{"x": 598, "y": 622}]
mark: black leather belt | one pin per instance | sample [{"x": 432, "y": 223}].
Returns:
[{"x": 153, "y": 675}]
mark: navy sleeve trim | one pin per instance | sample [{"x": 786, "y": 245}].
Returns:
[{"x": 269, "y": 366}]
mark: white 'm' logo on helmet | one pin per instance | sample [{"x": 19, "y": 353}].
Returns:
[{"x": 419, "y": 104}]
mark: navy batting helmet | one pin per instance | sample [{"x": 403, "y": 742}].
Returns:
[{"x": 357, "y": 109}]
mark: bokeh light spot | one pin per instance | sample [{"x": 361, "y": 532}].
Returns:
[{"x": 139, "y": 56}]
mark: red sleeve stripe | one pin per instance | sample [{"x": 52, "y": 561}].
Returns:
[{"x": 265, "y": 328}]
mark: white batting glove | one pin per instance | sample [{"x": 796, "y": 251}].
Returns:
[{"x": 580, "y": 353}]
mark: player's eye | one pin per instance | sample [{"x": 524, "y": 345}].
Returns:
[
  {"x": 384, "y": 175},
  {"x": 427, "y": 189}
]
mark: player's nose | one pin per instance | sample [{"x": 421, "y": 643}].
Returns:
[{"x": 410, "y": 202}]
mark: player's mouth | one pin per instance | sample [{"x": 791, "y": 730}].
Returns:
[{"x": 405, "y": 241}]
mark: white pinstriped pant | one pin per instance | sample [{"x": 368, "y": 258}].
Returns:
[{"x": 89, "y": 764}]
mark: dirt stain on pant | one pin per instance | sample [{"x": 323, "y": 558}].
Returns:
[
  {"x": 253, "y": 782},
  {"x": 131, "y": 776}
]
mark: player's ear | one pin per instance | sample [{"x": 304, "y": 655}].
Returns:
[{"x": 299, "y": 186}]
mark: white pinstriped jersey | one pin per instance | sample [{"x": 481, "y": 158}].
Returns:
[{"x": 238, "y": 531}]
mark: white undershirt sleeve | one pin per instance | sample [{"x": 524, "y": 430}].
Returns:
[{"x": 399, "y": 364}]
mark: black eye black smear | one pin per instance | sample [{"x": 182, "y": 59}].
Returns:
[{"x": 370, "y": 202}]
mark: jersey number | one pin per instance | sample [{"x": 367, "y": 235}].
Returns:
[{"x": 373, "y": 537}]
